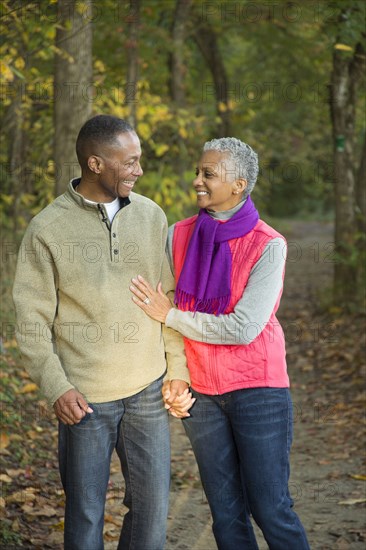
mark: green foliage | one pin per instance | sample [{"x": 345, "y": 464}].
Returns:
[
  {"x": 278, "y": 60},
  {"x": 8, "y": 538}
]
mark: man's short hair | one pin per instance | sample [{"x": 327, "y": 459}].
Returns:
[{"x": 97, "y": 131}]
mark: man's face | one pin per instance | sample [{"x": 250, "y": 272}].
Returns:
[{"x": 119, "y": 167}]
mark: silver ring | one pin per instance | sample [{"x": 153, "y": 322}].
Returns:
[{"x": 146, "y": 301}]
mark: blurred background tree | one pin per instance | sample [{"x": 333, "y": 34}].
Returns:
[{"x": 286, "y": 77}]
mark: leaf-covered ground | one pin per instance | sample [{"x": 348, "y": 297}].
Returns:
[{"x": 326, "y": 360}]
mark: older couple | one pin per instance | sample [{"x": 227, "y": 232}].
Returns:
[{"x": 102, "y": 368}]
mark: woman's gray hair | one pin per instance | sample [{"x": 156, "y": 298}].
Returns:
[{"x": 243, "y": 157}]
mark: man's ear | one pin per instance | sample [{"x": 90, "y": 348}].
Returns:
[
  {"x": 95, "y": 164},
  {"x": 240, "y": 185}
]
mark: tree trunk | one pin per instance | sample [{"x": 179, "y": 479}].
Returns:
[
  {"x": 177, "y": 61},
  {"x": 178, "y": 71},
  {"x": 361, "y": 190},
  {"x": 132, "y": 60},
  {"x": 206, "y": 40},
  {"x": 17, "y": 152},
  {"x": 72, "y": 85},
  {"x": 344, "y": 79}
]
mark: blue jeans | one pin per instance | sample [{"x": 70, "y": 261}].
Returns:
[
  {"x": 242, "y": 442},
  {"x": 137, "y": 427}
]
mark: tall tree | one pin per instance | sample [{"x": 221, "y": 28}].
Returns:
[
  {"x": 17, "y": 150},
  {"x": 206, "y": 39},
  {"x": 177, "y": 61},
  {"x": 72, "y": 84},
  {"x": 178, "y": 73},
  {"x": 348, "y": 67},
  {"x": 133, "y": 20}
]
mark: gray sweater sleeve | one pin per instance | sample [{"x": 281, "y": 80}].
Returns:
[
  {"x": 251, "y": 313},
  {"x": 169, "y": 247}
]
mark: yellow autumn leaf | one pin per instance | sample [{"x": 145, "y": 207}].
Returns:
[
  {"x": 99, "y": 66},
  {"x": 58, "y": 526},
  {"x": 143, "y": 130},
  {"x": 5, "y": 72},
  {"x": 10, "y": 344},
  {"x": 141, "y": 111},
  {"x": 51, "y": 32},
  {"x": 358, "y": 476},
  {"x": 183, "y": 133},
  {"x": 4, "y": 440},
  {"x": 28, "y": 388},
  {"x": 19, "y": 63},
  {"x": 343, "y": 47},
  {"x": 161, "y": 149},
  {"x": 222, "y": 107},
  {"x": 7, "y": 200}
]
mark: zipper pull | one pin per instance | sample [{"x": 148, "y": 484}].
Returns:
[{"x": 104, "y": 217}]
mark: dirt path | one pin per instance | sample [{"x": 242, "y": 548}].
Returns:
[
  {"x": 327, "y": 411},
  {"x": 325, "y": 358},
  {"x": 328, "y": 419}
]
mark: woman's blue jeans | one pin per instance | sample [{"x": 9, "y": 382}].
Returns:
[
  {"x": 242, "y": 442},
  {"x": 137, "y": 427}
]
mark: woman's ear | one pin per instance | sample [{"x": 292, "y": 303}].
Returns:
[
  {"x": 94, "y": 164},
  {"x": 240, "y": 185}
]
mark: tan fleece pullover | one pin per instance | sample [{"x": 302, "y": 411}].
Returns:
[{"x": 77, "y": 326}]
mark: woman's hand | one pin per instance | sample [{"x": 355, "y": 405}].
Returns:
[
  {"x": 177, "y": 403},
  {"x": 155, "y": 303}
]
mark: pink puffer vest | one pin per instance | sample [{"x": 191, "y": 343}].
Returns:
[{"x": 217, "y": 369}]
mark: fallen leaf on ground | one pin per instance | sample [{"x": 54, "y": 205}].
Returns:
[
  {"x": 351, "y": 501},
  {"x": 46, "y": 511},
  {"x": 4, "y": 440},
  {"x": 15, "y": 473},
  {"x": 58, "y": 526},
  {"x": 110, "y": 519},
  {"x": 5, "y": 478}
]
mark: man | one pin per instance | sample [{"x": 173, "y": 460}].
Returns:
[{"x": 98, "y": 360}]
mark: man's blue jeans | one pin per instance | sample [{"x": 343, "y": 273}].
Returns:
[
  {"x": 137, "y": 427},
  {"x": 242, "y": 442}
]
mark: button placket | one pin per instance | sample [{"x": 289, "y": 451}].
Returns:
[{"x": 114, "y": 245}]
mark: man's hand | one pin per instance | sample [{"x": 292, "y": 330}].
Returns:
[
  {"x": 178, "y": 400},
  {"x": 71, "y": 407}
]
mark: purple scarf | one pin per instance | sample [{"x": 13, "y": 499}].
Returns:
[{"x": 204, "y": 282}]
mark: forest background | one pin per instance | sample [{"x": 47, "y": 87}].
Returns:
[{"x": 287, "y": 77}]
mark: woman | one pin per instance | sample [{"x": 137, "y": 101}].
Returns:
[{"x": 229, "y": 268}]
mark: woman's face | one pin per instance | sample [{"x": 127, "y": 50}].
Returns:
[{"x": 217, "y": 183}]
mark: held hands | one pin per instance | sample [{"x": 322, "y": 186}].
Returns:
[
  {"x": 71, "y": 407},
  {"x": 178, "y": 400},
  {"x": 155, "y": 303}
]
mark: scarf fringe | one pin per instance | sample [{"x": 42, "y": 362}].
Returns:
[{"x": 187, "y": 302}]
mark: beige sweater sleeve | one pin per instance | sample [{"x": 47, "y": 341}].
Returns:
[
  {"x": 35, "y": 300},
  {"x": 174, "y": 345}
]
